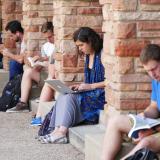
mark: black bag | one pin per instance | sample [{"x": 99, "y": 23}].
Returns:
[
  {"x": 11, "y": 93},
  {"x": 143, "y": 154},
  {"x": 44, "y": 129}
]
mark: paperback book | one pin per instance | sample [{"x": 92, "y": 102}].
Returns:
[
  {"x": 35, "y": 63},
  {"x": 141, "y": 123}
]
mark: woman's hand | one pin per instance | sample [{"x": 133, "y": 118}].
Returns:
[
  {"x": 75, "y": 87},
  {"x": 85, "y": 86}
]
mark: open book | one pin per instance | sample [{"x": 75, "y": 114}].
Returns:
[
  {"x": 141, "y": 123},
  {"x": 36, "y": 63}
]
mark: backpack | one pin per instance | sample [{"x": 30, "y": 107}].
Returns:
[
  {"x": 143, "y": 154},
  {"x": 45, "y": 129},
  {"x": 11, "y": 93}
]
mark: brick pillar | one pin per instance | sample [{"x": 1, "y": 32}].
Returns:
[
  {"x": 68, "y": 16},
  {"x": 128, "y": 26},
  {"x": 36, "y": 13},
  {"x": 0, "y": 15},
  {"x": 11, "y": 10}
]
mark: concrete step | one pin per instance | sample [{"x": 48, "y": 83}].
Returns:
[
  {"x": 103, "y": 118},
  {"x": 4, "y": 78},
  {"x": 89, "y": 139},
  {"x": 45, "y": 107},
  {"x": 77, "y": 135},
  {"x": 94, "y": 146}
]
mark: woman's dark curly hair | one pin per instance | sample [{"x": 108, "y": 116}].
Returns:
[{"x": 88, "y": 35}]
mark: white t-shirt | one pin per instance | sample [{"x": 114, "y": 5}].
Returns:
[{"x": 48, "y": 49}]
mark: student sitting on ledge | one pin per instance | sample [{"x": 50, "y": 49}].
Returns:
[
  {"x": 16, "y": 33},
  {"x": 36, "y": 73},
  {"x": 118, "y": 125},
  {"x": 72, "y": 109}
]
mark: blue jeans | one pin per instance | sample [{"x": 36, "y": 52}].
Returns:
[{"x": 15, "y": 68}]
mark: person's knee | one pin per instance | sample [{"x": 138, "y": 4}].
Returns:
[
  {"x": 113, "y": 121},
  {"x": 119, "y": 122}
]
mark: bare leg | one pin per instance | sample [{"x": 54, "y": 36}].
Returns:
[
  {"x": 29, "y": 75},
  {"x": 51, "y": 71},
  {"x": 116, "y": 127},
  {"x": 152, "y": 142},
  {"x": 47, "y": 94}
]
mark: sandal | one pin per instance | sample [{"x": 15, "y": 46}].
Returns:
[
  {"x": 39, "y": 138},
  {"x": 57, "y": 139}
]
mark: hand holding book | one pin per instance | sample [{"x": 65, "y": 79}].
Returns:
[
  {"x": 142, "y": 126},
  {"x": 35, "y": 62},
  {"x": 142, "y": 134}
]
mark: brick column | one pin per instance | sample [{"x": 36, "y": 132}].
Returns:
[
  {"x": 35, "y": 13},
  {"x": 11, "y": 10},
  {"x": 0, "y": 15},
  {"x": 69, "y": 16},
  {"x": 128, "y": 25}
]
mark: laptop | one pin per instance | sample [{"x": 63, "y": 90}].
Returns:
[{"x": 61, "y": 87}]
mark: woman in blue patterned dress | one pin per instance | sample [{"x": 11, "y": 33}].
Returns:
[{"x": 84, "y": 107}]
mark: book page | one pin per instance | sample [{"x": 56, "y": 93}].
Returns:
[{"x": 37, "y": 63}]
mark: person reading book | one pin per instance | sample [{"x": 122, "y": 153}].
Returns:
[
  {"x": 37, "y": 73},
  {"x": 118, "y": 125}
]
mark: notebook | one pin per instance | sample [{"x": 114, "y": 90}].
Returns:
[{"x": 61, "y": 87}]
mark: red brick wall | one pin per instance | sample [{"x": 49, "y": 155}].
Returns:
[
  {"x": 35, "y": 13},
  {"x": 128, "y": 25},
  {"x": 69, "y": 16}
]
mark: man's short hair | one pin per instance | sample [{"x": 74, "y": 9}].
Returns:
[
  {"x": 14, "y": 26},
  {"x": 48, "y": 26},
  {"x": 150, "y": 52}
]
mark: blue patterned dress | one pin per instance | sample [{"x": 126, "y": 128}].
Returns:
[
  {"x": 72, "y": 109},
  {"x": 92, "y": 102}
]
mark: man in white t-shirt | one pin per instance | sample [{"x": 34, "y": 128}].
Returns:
[{"x": 33, "y": 74}]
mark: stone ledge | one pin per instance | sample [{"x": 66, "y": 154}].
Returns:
[{"x": 77, "y": 135}]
